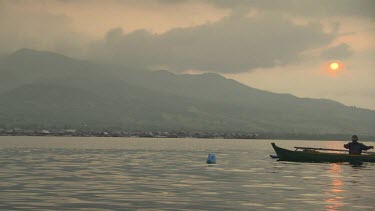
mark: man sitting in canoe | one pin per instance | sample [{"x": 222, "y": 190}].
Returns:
[{"x": 355, "y": 147}]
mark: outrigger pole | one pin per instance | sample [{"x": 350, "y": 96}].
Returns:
[{"x": 326, "y": 149}]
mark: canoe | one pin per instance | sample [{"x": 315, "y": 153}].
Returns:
[{"x": 319, "y": 157}]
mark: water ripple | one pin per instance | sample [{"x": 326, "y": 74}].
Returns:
[{"x": 148, "y": 174}]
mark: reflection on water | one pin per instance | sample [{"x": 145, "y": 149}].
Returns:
[
  {"x": 335, "y": 193},
  {"x": 118, "y": 174}
]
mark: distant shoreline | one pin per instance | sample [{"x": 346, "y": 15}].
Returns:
[
  {"x": 182, "y": 134},
  {"x": 279, "y": 139}
]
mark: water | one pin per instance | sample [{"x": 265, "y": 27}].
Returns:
[{"x": 44, "y": 173}]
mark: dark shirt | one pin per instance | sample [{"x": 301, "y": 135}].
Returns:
[{"x": 356, "y": 148}]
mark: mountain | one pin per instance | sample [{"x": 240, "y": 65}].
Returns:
[{"x": 48, "y": 90}]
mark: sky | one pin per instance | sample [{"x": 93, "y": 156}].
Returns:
[{"x": 280, "y": 46}]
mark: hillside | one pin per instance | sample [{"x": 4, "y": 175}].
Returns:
[{"x": 44, "y": 89}]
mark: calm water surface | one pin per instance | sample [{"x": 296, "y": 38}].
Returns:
[{"x": 44, "y": 173}]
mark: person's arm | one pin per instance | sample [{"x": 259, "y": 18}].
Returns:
[
  {"x": 369, "y": 147},
  {"x": 346, "y": 146},
  {"x": 364, "y": 147}
]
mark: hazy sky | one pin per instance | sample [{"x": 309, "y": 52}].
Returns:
[{"x": 281, "y": 46}]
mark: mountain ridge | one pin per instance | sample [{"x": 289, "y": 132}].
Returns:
[{"x": 145, "y": 100}]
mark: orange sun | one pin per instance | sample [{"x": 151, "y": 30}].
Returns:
[{"x": 334, "y": 66}]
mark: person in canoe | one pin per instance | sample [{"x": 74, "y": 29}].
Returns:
[{"x": 355, "y": 147}]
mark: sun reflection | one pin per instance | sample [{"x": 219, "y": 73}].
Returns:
[{"x": 335, "y": 200}]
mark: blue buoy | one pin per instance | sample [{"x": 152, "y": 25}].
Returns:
[{"x": 211, "y": 159}]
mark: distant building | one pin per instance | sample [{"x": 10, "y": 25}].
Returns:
[{"x": 45, "y": 132}]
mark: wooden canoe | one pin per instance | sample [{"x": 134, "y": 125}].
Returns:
[{"x": 319, "y": 157}]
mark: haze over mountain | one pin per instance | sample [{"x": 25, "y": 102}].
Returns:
[{"x": 41, "y": 89}]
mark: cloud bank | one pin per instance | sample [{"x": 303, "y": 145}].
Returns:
[
  {"x": 341, "y": 51},
  {"x": 233, "y": 44},
  {"x": 306, "y": 8}
]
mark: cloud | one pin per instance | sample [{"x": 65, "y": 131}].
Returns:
[
  {"x": 233, "y": 44},
  {"x": 307, "y": 8},
  {"x": 66, "y": 26},
  {"x": 24, "y": 25},
  {"x": 341, "y": 51}
]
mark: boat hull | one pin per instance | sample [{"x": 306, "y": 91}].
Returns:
[{"x": 319, "y": 157}]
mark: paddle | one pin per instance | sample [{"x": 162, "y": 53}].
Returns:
[{"x": 328, "y": 149}]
